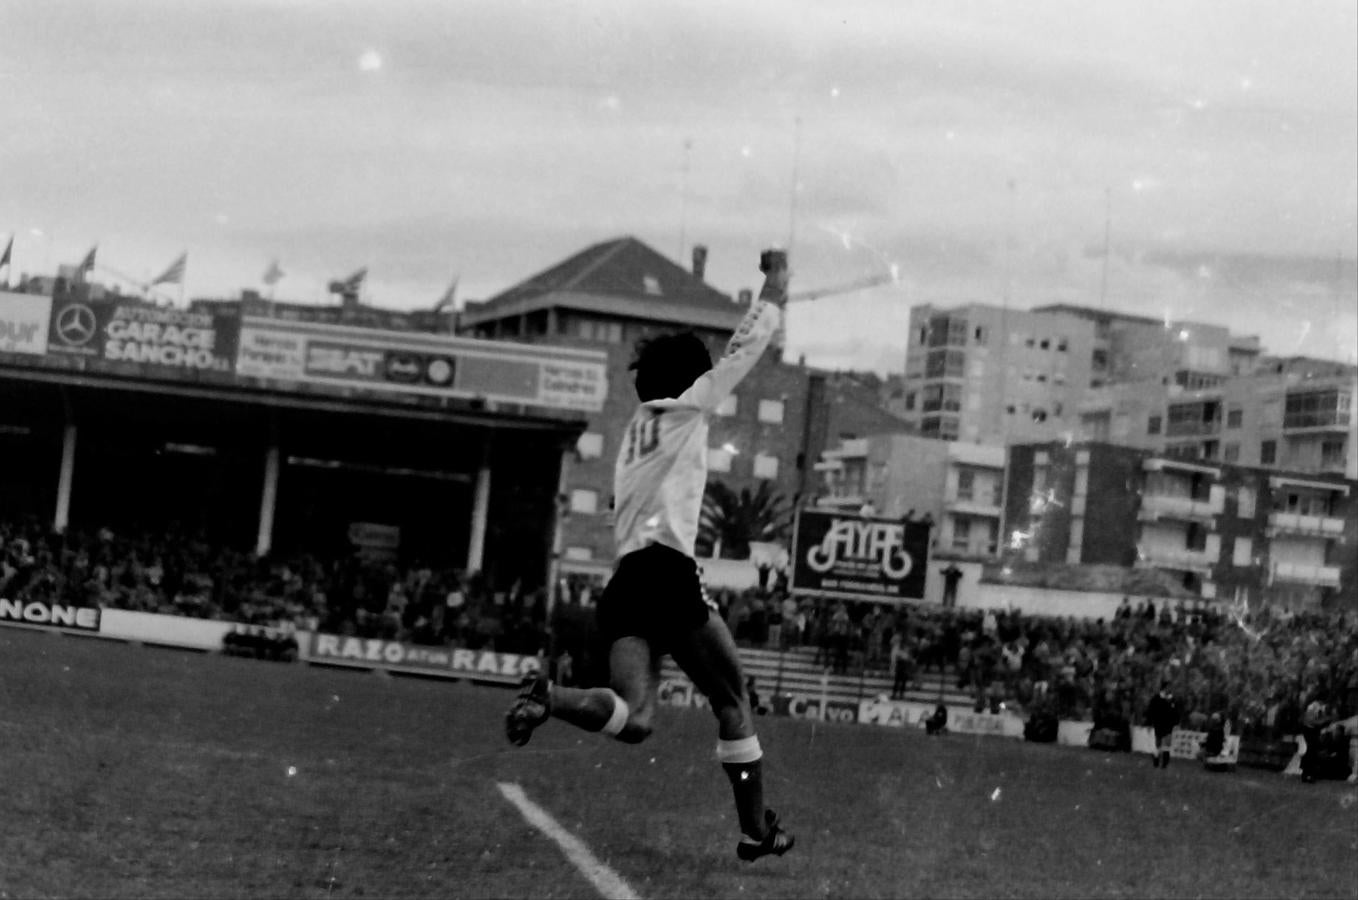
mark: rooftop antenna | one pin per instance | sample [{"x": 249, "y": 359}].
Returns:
[
  {"x": 1107, "y": 234},
  {"x": 683, "y": 197},
  {"x": 792, "y": 190}
]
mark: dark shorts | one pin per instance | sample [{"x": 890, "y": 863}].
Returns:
[{"x": 655, "y": 593}]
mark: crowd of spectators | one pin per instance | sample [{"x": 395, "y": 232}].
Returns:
[
  {"x": 1259, "y": 669},
  {"x": 180, "y": 574}
]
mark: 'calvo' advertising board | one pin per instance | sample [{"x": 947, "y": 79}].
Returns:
[{"x": 838, "y": 554}]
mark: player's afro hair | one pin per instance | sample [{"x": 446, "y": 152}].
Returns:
[{"x": 667, "y": 365}]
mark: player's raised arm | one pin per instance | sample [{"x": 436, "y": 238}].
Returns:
[{"x": 750, "y": 339}]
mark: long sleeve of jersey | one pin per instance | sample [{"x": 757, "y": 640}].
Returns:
[
  {"x": 747, "y": 344},
  {"x": 662, "y": 460}
]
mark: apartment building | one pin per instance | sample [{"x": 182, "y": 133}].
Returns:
[
  {"x": 987, "y": 374},
  {"x": 1292, "y": 413},
  {"x": 959, "y": 486},
  {"x": 1232, "y": 532},
  {"x": 991, "y": 375}
]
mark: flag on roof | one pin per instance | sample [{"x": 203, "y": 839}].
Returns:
[
  {"x": 9, "y": 248},
  {"x": 273, "y": 274},
  {"x": 87, "y": 264},
  {"x": 448, "y": 296},
  {"x": 351, "y": 284},
  {"x": 175, "y": 273}
]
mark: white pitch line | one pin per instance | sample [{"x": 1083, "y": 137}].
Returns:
[{"x": 609, "y": 883}]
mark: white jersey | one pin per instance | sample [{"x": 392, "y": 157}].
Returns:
[{"x": 661, "y": 471}]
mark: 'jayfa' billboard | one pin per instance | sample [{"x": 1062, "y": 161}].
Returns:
[{"x": 839, "y": 554}]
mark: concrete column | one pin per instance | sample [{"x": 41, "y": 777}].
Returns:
[
  {"x": 476, "y": 546},
  {"x": 554, "y": 552},
  {"x": 268, "y": 500},
  {"x": 62, "y": 518}
]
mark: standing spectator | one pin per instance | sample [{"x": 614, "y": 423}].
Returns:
[
  {"x": 1163, "y": 715},
  {"x": 900, "y": 665},
  {"x": 951, "y": 576},
  {"x": 840, "y": 627}
]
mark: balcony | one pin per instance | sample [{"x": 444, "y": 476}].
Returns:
[
  {"x": 1323, "y": 576},
  {"x": 974, "y": 505},
  {"x": 1163, "y": 558},
  {"x": 1314, "y": 526},
  {"x": 1161, "y": 506}
]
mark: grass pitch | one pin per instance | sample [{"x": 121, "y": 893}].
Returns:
[{"x": 138, "y": 772}]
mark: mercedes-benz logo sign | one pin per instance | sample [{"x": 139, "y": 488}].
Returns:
[{"x": 76, "y": 325}]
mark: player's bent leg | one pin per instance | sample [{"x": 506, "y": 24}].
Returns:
[
  {"x": 623, "y": 710},
  {"x": 708, "y": 656}
]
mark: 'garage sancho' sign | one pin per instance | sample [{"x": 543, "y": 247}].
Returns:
[{"x": 839, "y": 554}]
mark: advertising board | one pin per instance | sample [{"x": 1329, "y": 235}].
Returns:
[
  {"x": 163, "y": 339},
  {"x": 421, "y": 364},
  {"x": 838, "y": 554},
  {"x": 453, "y": 662},
  {"x": 49, "y": 615},
  {"x": 24, "y": 321}
]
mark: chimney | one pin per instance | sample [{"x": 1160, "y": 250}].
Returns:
[
  {"x": 745, "y": 297},
  {"x": 699, "y": 261}
]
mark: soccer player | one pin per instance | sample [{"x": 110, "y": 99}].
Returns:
[{"x": 655, "y": 602}]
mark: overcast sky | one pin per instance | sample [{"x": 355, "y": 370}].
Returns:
[{"x": 976, "y": 147}]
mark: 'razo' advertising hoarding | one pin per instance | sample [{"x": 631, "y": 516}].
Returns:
[{"x": 857, "y": 557}]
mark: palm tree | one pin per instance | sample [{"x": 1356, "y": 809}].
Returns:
[{"x": 731, "y": 520}]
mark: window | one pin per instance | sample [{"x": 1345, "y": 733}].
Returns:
[
  {"x": 596, "y": 330},
  {"x": 765, "y": 466},
  {"x": 910, "y": 400},
  {"x": 718, "y": 460},
  {"x": 945, "y": 331},
  {"x": 1230, "y": 452},
  {"x": 584, "y": 501},
  {"x": 1268, "y": 453},
  {"x": 728, "y": 406},
  {"x": 650, "y": 284},
  {"x": 1310, "y": 409},
  {"x": 1040, "y": 480},
  {"x": 581, "y": 554},
  {"x": 1098, "y": 360},
  {"x": 771, "y": 411},
  {"x": 1244, "y": 503},
  {"x": 945, "y": 397},
  {"x": 1061, "y": 345},
  {"x": 945, "y": 427},
  {"x": 961, "y": 534},
  {"x": 1243, "y": 552},
  {"x": 1332, "y": 454},
  {"x": 1029, "y": 343},
  {"x": 924, "y": 335},
  {"x": 979, "y": 334},
  {"x": 1009, "y": 409},
  {"x": 1153, "y": 425},
  {"x": 966, "y": 484},
  {"x": 1195, "y": 538},
  {"x": 1039, "y": 415},
  {"x": 1081, "y": 481},
  {"x": 1234, "y": 417},
  {"x": 945, "y": 364},
  {"x": 1046, "y": 344},
  {"x": 590, "y": 445}
]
